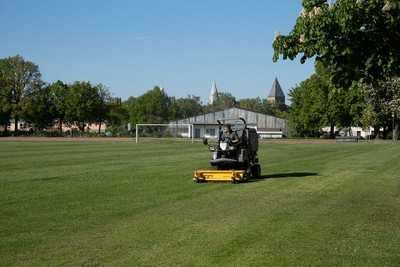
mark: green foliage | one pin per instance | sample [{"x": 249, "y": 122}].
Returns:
[
  {"x": 354, "y": 103},
  {"x": 117, "y": 116},
  {"x": 185, "y": 107},
  {"x": 5, "y": 97},
  {"x": 58, "y": 95},
  {"x": 368, "y": 117},
  {"x": 82, "y": 103},
  {"x": 5, "y": 113},
  {"x": 38, "y": 109},
  {"x": 102, "y": 108},
  {"x": 306, "y": 112},
  {"x": 151, "y": 107},
  {"x": 254, "y": 104},
  {"x": 385, "y": 95},
  {"x": 356, "y": 39},
  {"x": 384, "y": 101}
]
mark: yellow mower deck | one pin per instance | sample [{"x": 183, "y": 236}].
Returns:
[{"x": 233, "y": 176}]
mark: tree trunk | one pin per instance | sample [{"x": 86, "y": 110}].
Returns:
[
  {"x": 332, "y": 132},
  {"x": 99, "y": 127},
  {"x": 386, "y": 131},
  {"x": 16, "y": 124},
  {"x": 376, "y": 132},
  {"x": 396, "y": 131},
  {"x": 82, "y": 127},
  {"x": 60, "y": 123}
]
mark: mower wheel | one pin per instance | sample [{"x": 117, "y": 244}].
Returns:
[{"x": 256, "y": 171}]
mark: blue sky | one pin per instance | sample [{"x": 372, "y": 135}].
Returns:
[{"x": 130, "y": 46}]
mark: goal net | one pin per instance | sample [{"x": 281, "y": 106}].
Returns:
[{"x": 156, "y": 131}]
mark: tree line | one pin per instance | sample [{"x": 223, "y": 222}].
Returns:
[
  {"x": 316, "y": 103},
  {"x": 47, "y": 107},
  {"x": 25, "y": 97}
]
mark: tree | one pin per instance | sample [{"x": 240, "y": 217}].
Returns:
[
  {"x": 38, "y": 108},
  {"x": 368, "y": 117},
  {"x": 5, "y": 112},
  {"x": 384, "y": 102},
  {"x": 356, "y": 39},
  {"x": 21, "y": 78},
  {"x": 185, "y": 107},
  {"x": 263, "y": 106},
  {"x": 102, "y": 105},
  {"x": 313, "y": 105},
  {"x": 81, "y": 104},
  {"x": 253, "y": 104},
  {"x": 151, "y": 107},
  {"x": 58, "y": 92},
  {"x": 306, "y": 112},
  {"x": 317, "y": 102},
  {"x": 117, "y": 116},
  {"x": 5, "y": 99},
  {"x": 353, "y": 103},
  {"x": 224, "y": 101}
]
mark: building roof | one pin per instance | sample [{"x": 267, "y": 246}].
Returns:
[
  {"x": 252, "y": 118},
  {"x": 276, "y": 90}
]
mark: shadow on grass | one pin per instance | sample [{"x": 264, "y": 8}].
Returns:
[{"x": 284, "y": 175}]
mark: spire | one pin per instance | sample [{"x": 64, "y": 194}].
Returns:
[
  {"x": 213, "y": 94},
  {"x": 276, "y": 94}
]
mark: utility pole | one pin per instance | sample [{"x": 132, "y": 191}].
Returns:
[{"x": 136, "y": 134}]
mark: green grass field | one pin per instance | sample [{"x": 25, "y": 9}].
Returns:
[{"x": 122, "y": 204}]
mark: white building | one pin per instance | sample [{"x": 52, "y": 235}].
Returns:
[{"x": 352, "y": 131}]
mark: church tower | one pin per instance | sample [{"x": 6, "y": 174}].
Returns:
[
  {"x": 276, "y": 94},
  {"x": 213, "y": 94}
]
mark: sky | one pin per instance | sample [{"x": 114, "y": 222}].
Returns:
[{"x": 131, "y": 46}]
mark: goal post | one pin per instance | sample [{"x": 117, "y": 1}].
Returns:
[{"x": 169, "y": 129}]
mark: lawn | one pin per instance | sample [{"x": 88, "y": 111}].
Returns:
[{"x": 122, "y": 204}]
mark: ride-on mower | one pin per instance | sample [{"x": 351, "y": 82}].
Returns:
[{"x": 234, "y": 155}]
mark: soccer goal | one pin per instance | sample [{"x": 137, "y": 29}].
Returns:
[{"x": 171, "y": 131}]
